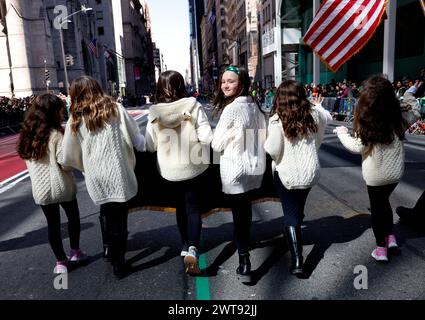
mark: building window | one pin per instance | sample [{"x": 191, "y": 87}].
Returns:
[
  {"x": 100, "y": 31},
  {"x": 99, "y": 15}
]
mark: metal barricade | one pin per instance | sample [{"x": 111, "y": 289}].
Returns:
[
  {"x": 422, "y": 105},
  {"x": 341, "y": 109}
]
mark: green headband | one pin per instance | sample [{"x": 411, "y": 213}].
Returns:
[{"x": 234, "y": 69}]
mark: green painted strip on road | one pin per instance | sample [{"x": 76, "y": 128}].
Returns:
[{"x": 201, "y": 283}]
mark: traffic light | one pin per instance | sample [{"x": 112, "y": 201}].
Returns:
[
  {"x": 69, "y": 60},
  {"x": 47, "y": 76}
]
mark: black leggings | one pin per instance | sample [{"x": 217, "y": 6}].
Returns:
[
  {"x": 116, "y": 215},
  {"x": 293, "y": 202},
  {"x": 52, "y": 213},
  {"x": 382, "y": 213},
  {"x": 188, "y": 209},
  {"x": 242, "y": 219}
]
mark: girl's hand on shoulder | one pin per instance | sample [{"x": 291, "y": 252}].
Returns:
[{"x": 340, "y": 130}]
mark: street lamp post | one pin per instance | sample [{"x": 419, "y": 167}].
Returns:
[{"x": 65, "y": 20}]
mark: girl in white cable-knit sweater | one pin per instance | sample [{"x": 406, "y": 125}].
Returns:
[
  {"x": 295, "y": 133},
  {"x": 99, "y": 140},
  {"x": 40, "y": 145},
  {"x": 378, "y": 137},
  {"x": 239, "y": 136},
  {"x": 179, "y": 131}
]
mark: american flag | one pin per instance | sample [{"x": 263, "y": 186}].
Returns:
[
  {"x": 108, "y": 56},
  {"x": 93, "y": 46},
  {"x": 341, "y": 28}
]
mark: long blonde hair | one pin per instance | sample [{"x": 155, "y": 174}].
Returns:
[{"x": 89, "y": 102}]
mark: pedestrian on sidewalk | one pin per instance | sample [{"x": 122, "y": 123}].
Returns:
[
  {"x": 99, "y": 140},
  {"x": 53, "y": 186},
  {"x": 295, "y": 133},
  {"x": 378, "y": 137},
  {"x": 239, "y": 137},
  {"x": 179, "y": 131}
]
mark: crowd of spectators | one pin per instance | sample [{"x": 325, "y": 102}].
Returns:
[
  {"x": 339, "y": 97},
  {"x": 12, "y": 110}
]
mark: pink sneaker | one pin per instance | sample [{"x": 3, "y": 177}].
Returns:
[
  {"x": 380, "y": 254},
  {"x": 391, "y": 242},
  {"x": 77, "y": 256},
  {"x": 61, "y": 267}
]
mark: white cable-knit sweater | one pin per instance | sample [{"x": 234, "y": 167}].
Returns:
[
  {"x": 384, "y": 165},
  {"x": 239, "y": 135},
  {"x": 180, "y": 133},
  {"x": 106, "y": 157},
  {"x": 297, "y": 160},
  {"x": 50, "y": 182}
]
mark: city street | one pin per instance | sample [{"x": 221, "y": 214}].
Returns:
[{"x": 337, "y": 239}]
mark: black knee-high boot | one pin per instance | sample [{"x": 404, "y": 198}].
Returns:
[
  {"x": 118, "y": 248},
  {"x": 104, "y": 230},
  {"x": 294, "y": 239}
]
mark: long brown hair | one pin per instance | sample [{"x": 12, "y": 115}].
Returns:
[
  {"x": 294, "y": 110},
  {"x": 221, "y": 101},
  {"x": 170, "y": 87},
  {"x": 89, "y": 102},
  {"x": 44, "y": 114},
  {"x": 378, "y": 118}
]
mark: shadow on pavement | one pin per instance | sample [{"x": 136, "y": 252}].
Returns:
[
  {"x": 320, "y": 233},
  {"x": 35, "y": 238}
]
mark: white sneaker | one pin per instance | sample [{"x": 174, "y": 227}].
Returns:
[
  {"x": 184, "y": 251},
  {"x": 191, "y": 261}
]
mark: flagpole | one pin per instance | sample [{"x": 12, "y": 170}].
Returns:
[
  {"x": 113, "y": 51},
  {"x": 316, "y": 59},
  {"x": 389, "y": 40}
]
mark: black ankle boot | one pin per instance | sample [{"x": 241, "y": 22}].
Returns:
[
  {"x": 105, "y": 239},
  {"x": 244, "y": 268},
  {"x": 294, "y": 240}
]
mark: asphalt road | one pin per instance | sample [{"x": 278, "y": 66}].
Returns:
[{"x": 337, "y": 239}]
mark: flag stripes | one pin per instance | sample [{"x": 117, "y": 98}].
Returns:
[
  {"x": 93, "y": 46},
  {"x": 342, "y": 27}
]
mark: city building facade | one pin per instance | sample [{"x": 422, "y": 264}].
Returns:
[
  {"x": 110, "y": 35},
  {"x": 30, "y": 48},
  {"x": 110, "y": 41},
  {"x": 138, "y": 48}
]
